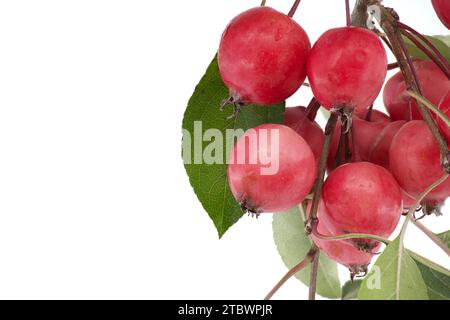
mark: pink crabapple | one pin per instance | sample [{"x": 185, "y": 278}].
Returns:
[
  {"x": 262, "y": 57},
  {"x": 415, "y": 161},
  {"x": 433, "y": 82},
  {"x": 275, "y": 191},
  {"x": 297, "y": 119},
  {"x": 347, "y": 68},
  {"x": 362, "y": 197}
]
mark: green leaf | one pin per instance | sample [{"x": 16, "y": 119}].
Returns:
[
  {"x": 440, "y": 42},
  {"x": 202, "y": 118},
  {"x": 350, "y": 290},
  {"x": 388, "y": 282},
  {"x": 293, "y": 245},
  {"x": 445, "y": 236},
  {"x": 437, "y": 281}
]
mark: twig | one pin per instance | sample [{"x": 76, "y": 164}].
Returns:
[
  {"x": 432, "y": 236},
  {"x": 348, "y": 236},
  {"x": 430, "y": 106},
  {"x": 308, "y": 259},
  {"x": 317, "y": 190},
  {"x": 347, "y": 12},
  {"x": 263, "y": 3},
  {"x": 392, "y": 66},
  {"x": 313, "y": 277},
  {"x": 311, "y": 110},
  {"x": 294, "y": 8},
  {"x": 428, "y": 53},
  {"x": 445, "y": 64}
]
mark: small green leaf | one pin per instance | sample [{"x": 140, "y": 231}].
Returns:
[
  {"x": 205, "y": 132},
  {"x": 440, "y": 42},
  {"x": 437, "y": 281},
  {"x": 445, "y": 236},
  {"x": 350, "y": 290},
  {"x": 293, "y": 245},
  {"x": 387, "y": 281}
]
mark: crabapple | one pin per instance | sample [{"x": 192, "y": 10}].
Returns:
[
  {"x": 444, "y": 106},
  {"x": 297, "y": 119},
  {"x": 433, "y": 82},
  {"x": 379, "y": 153},
  {"x": 362, "y": 197},
  {"x": 442, "y": 8},
  {"x": 262, "y": 56},
  {"x": 271, "y": 169},
  {"x": 341, "y": 251},
  {"x": 347, "y": 68},
  {"x": 415, "y": 161},
  {"x": 365, "y": 133}
]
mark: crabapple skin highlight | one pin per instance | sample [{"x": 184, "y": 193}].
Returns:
[
  {"x": 347, "y": 67},
  {"x": 433, "y": 82},
  {"x": 296, "y": 118},
  {"x": 362, "y": 197},
  {"x": 415, "y": 161},
  {"x": 442, "y": 8},
  {"x": 282, "y": 189},
  {"x": 342, "y": 251},
  {"x": 262, "y": 56},
  {"x": 444, "y": 106}
]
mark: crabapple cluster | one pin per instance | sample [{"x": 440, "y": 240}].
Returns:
[{"x": 377, "y": 164}]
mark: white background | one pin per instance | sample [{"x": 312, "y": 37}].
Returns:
[{"x": 94, "y": 200}]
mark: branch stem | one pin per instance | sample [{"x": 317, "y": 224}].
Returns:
[
  {"x": 317, "y": 190},
  {"x": 430, "y": 106},
  {"x": 433, "y": 237},
  {"x": 300, "y": 266},
  {"x": 313, "y": 277},
  {"x": 348, "y": 236},
  {"x": 294, "y": 8}
]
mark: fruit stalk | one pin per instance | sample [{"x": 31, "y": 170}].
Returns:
[
  {"x": 313, "y": 276},
  {"x": 294, "y": 8},
  {"x": 389, "y": 24},
  {"x": 441, "y": 64},
  {"x": 433, "y": 237},
  {"x": 300, "y": 266},
  {"x": 317, "y": 190}
]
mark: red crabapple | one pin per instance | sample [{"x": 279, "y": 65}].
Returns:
[
  {"x": 365, "y": 133},
  {"x": 347, "y": 68},
  {"x": 262, "y": 56},
  {"x": 415, "y": 161},
  {"x": 442, "y": 8},
  {"x": 342, "y": 251},
  {"x": 297, "y": 119},
  {"x": 271, "y": 169},
  {"x": 362, "y": 197},
  {"x": 444, "y": 106},
  {"x": 433, "y": 82},
  {"x": 379, "y": 153}
]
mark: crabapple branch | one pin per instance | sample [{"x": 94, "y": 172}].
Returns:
[
  {"x": 303, "y": 264},
  {"x": 317, "y": 190},
  {"x": 430, "y": 106},
  {"x": 294, "y": 8},
  {"x": 311, "y": 110},
  {"x": 418, "y": 202},
  {"x": 433, "y": 237},
  {"x": 437, "y": 61},
  {"x": 347, "y": 12},
  {"x": 348, "y": 236},
  {"x": 313, "y": 276},
  {"x": 442, "y": 61},
  {"x": 389, "y": 23}
]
